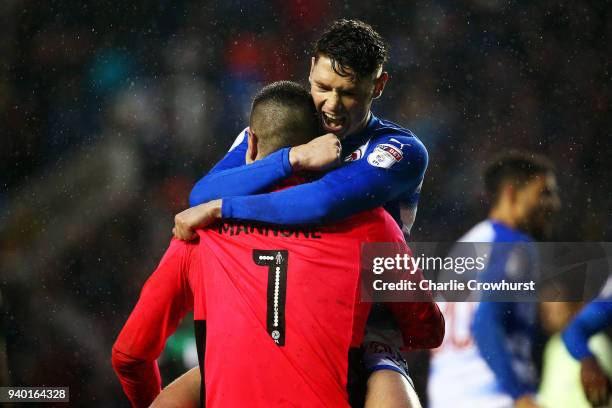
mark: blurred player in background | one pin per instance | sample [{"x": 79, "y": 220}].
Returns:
[
  {"x": 383, "y": 164},
  {"x": 485, "y": 359},
  {"x": 594, "y": 318},
  {"x": 299, "y": 371}
]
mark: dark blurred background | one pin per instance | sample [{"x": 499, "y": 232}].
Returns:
[{"x": 110, "y": 111}]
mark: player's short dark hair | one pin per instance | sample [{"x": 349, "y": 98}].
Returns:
[
  {"x": 283, "y": 115},
  {"x": 516, "y": 167},
  {"x": 352, "y": 45}
]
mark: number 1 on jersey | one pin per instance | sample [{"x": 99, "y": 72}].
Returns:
[{"x": 276, "y": 260}]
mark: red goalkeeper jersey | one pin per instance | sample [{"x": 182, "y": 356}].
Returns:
[{"x": 282, "y": 309}]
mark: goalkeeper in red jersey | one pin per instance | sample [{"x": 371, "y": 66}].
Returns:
[{"x": 277, "y": 308}]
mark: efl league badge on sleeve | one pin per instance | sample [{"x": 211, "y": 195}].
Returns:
[{"x": 385, "y": 156}]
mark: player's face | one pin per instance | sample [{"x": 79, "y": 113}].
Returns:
[
  {"x": 343, "y": 102},
  {"x": 537, "y": 204}
]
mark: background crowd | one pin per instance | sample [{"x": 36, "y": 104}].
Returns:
[{"x": 110, "y": 111}]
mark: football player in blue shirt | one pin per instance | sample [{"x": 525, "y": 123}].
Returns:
[
  {"x": 378, "y": 162},
  {"x": 504, "y": 331},
  {"x": 383, "y": 163},
  {"x": 486, "y": 359}
]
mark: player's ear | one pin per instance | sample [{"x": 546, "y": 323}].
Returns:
[
  {"x": 251, "y": 153},
  {"x": 379, "y": 84},
  {"x": 313, "y": 61}
]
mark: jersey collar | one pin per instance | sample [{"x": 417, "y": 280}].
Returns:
[{"x": 361, "y": 137}]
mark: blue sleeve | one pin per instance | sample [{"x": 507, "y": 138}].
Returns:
[
  {"x": 232, "y": 176},
  {"x": 490, "y": 336},
  {"x": 352, "y": 188},
  {"x": 595, "y": 317}
]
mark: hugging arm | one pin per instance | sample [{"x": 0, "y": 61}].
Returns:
[
  {"x": 352, "y": 188},
  {"x": 232, "y": 176}
]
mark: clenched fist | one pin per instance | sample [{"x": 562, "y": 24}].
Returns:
[{"x": 319, "y": 154}]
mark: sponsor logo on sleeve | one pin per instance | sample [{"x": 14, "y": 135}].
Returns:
[{"x": 385, "y": 155}]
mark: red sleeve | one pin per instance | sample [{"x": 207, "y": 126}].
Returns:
[
  {"x": 165, "y": 299},
  {"x": 422, "y": 322},
  {"x": 140, "y": 379}
]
